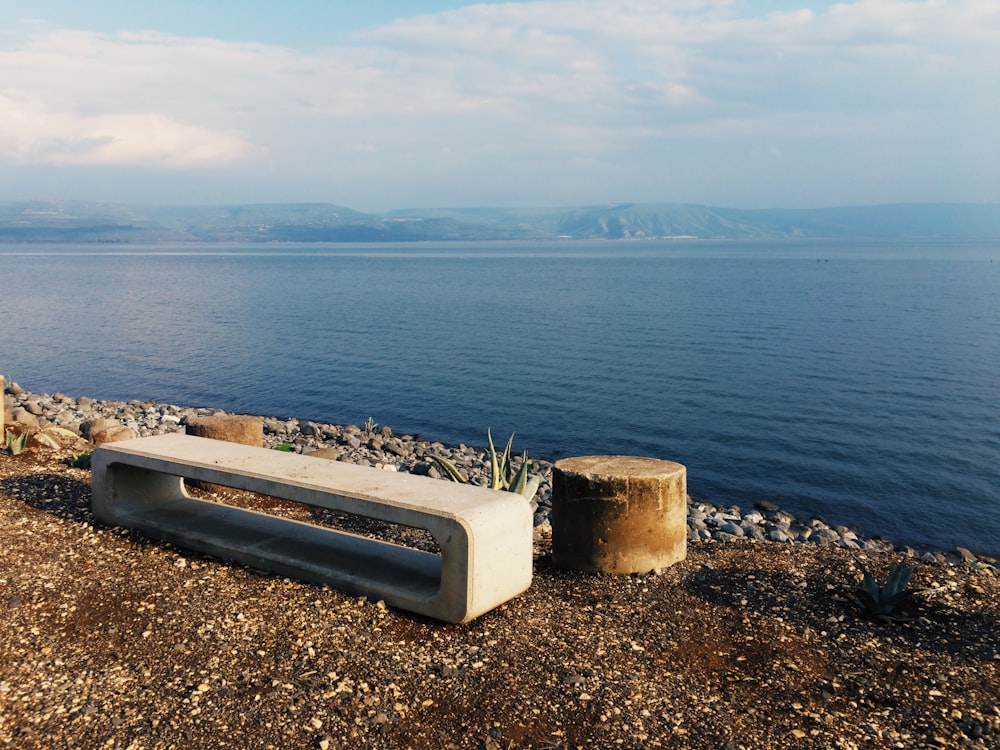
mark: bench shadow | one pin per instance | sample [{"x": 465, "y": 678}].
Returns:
[{"x": 58, "y": 495}]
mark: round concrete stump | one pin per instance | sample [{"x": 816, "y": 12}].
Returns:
[{"x": 618, "y": 514}]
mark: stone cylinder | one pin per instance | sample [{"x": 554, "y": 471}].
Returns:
[{"x": 618, "y": 514}]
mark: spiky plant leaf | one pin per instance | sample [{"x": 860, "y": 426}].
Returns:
[
  {"x": 499, "y": 465},
  {"x": 523, "y": 484},
  {"x": 506, "y": 473},
  {"x": 531, "y": 488},
  {"x": 450, "y": 469},
  {"x": 520, "y": 480}
]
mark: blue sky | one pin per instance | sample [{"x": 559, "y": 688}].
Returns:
[{"x": 381, "y": 105}]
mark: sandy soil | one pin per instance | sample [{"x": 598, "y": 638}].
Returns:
[{"x": 111, "y": 640}]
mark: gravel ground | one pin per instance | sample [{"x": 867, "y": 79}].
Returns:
[{"x": 110, "y": 640}]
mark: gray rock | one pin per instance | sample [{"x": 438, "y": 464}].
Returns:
[
  {"x": 733, "y": 529},
  {"x": 752, "y": 531},
  {"x": 722, "y": 536},
  {"x": 25, "y": 417},
  {"x": 396, "y": 448},
  {"x": 960, "y": 556},
  {"x": 33, "y": 407},
  {"x": 824, "y": 537}
]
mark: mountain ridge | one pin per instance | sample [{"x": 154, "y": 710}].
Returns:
[{"x": 81, "y": 221}]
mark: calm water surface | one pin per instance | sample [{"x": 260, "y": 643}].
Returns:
[{"x": 860, "y": 382}]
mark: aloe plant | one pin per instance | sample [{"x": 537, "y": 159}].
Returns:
[
  {"x": 882, "y": 602},
  {"x": 15, "y": 443},
  {"x": 502, "y": 475},
  {"x": 79, "y": 461}
]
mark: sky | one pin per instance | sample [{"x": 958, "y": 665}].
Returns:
[{"x": 381, "y": 105}]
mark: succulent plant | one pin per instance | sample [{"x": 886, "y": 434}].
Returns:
[
  {"x": 79, "y": 461},
  {"x": 882, "y": 602},
  {"x": 15, "y": 443},
  {"x": 502, "y": 475}
]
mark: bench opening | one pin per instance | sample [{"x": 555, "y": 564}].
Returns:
[{"x": 281, "y": 534}]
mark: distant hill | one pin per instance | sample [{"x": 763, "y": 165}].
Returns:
[{"x": 69, "y": 221}]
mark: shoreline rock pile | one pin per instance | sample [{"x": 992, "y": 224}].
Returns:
[{"x": 58, "y": 421}]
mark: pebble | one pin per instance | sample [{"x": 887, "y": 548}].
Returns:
[{"x": 382, "y": 448}]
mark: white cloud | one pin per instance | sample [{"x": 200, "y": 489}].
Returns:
[
  {"x": 565, "y": 101},
  {"x": 31, "y": 134}
]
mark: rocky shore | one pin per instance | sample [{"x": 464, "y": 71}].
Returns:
[{"x": 59, "y": 421}]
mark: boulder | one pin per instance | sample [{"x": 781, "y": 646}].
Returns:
[
  {"x": 233, "y": 428},
  {"x": 33, "y": 407},
  {"x": 24, "y": 417},
  {"x": 65, "y": 438},
  {"x": 43, "y": 440},
  {"x": 112, "y": 434},
  {"x": 92, "y": 426}
]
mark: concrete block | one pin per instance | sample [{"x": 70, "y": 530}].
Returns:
[{"x": 484, "y": 536}]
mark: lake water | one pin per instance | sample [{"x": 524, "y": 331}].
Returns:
[{"x": 859, "y": 382}]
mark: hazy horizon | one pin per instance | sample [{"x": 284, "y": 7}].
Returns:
[{"x": 376, "y": 107}]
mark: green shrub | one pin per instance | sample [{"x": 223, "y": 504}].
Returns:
[{"x": 883, "y": 602}]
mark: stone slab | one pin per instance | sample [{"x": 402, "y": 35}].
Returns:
[{"x": 484, "y": 536}]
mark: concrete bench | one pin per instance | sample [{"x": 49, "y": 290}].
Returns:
[{"x": 484, "y": 536}]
